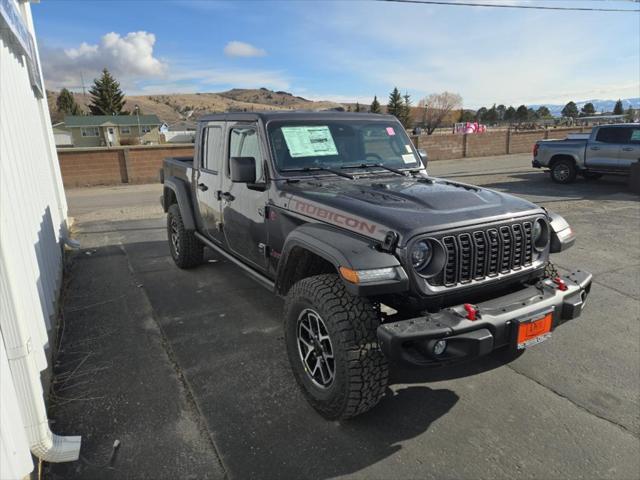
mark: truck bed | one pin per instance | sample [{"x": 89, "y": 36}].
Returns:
[{"x": 179, "y": 167}]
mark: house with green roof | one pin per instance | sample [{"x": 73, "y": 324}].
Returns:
[{"x": 112, "y": 130}]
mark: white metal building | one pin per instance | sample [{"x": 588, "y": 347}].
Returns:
[{"x": 33, "y": 226}]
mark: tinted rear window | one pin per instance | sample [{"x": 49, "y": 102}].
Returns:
[{"x": 614, "y": 135}]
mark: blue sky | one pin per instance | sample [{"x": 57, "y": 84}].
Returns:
[{"x": 345, "y": 50}]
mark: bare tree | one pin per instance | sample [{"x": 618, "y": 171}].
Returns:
[{"x": 436, "y": 107}]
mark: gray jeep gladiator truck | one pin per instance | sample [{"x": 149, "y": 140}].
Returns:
[
  {"x": 377, "y": 262},
  {"x": 609, "y": 149}
]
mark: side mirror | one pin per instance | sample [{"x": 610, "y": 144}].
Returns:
[
  {"x": 243, "y": 169},
  {"x": 423, "y": 155}
]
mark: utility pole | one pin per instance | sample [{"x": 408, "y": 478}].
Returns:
[{"x": 137, "y": 109}]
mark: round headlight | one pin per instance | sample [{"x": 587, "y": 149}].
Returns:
[
  {"x": 540, "y": 234},
  {"x": 421, "y": 254}
]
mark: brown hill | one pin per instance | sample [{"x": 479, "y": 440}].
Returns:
[{"x": 174, "y": 107}]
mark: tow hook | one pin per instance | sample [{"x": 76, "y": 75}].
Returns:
[
  {"x": 472, "y": 312},
  {"x": 560, "y": 284}
]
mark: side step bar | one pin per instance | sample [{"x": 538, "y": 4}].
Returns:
[{"x": 257, "y": 276}]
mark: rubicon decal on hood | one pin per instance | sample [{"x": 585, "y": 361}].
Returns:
[{"x": 339, "y": 218}]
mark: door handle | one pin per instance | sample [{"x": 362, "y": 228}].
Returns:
[
  {"x": 628, "y": 149},
  {"x": 227, "y": 196},
  {"x": 203, "y": 187},
  {"x": 595, "y": 148}
]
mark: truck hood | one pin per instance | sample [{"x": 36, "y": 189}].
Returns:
[{"x": 409, "y": 206}]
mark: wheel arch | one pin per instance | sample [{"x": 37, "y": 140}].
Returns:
[
  {"x": 562, "y": 156},
  {"x": 177, "y": 191},
  {"x": 313, "y": 249}
]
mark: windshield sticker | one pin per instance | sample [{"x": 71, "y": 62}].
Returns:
[
  {"x": 408, "y": 158},
  {"x": 408, "y": 148},
  {"x": 390, "y": 131},
  {"x": 309, "y": 141}
]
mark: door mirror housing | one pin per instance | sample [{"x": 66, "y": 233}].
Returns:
[
  {"x": 423, "y": 156},
  {"x": 243, "y": 169}
]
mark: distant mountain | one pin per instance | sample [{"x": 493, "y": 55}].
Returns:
[
  {"x": 176, "y": 107},
  {"x": 601, "y": 106}
]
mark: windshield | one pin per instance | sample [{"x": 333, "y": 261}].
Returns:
[{"x": 338, "y": 144}]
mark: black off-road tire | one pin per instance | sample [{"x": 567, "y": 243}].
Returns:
[
  {"x": 361, "y": 369},
  {"x": 563, "y": 171},
  {"x": 186, "y": 250}
]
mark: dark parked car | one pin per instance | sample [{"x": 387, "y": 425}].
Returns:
[{"x": 376, "y": 260}]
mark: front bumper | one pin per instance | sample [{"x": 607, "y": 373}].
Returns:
[{"x": 411, "y": 341}]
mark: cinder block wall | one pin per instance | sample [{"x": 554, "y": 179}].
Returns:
[
  {"x": 486, "y": 144},
  {"x": 144, "y": 164},
  {"x": 86, "y": 167},
  {"x": 522, "y": 142},
  {"x": 140, "y": 164},
  {"x": 442, "y": 147}
]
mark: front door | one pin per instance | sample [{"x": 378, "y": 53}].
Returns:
[
  {"x": 243, "y": 206},
  {"x": 111, "y": 136},
  {"x": 630, "y": 150},
  {"x": 210, "y": 157},
  {"x": 604, "y": 151}
]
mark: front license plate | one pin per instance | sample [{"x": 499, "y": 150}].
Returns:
[{"x": 535, "y": 331}]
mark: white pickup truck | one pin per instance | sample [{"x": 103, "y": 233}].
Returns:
[{"x": 609, "y": 149}]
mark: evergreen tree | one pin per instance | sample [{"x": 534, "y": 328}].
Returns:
[
  {"x": 570, "y": 110},
  {"x": 357, "y": 108},
  {"x": 405, "y": 113},
  {"x": 522, "y": 113},
  {"x": 395, "y": 106},
  {"x": 543, "y": 112},
  {"x": 106, "y": 96},
  {"x": 375, "y": 106},
  {"x": 510, "y": 114},
  {"x": 491, "y": 115},
  {"x": 501, "y": 109},
  {"x": 587, "y": 109},
  {"x": 65, "y": 103},
  {"x": 618, "y": 109},
  {"x": 480, "y": 113}
]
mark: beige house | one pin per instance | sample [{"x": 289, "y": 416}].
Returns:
[{"x": 112, "y": 130}]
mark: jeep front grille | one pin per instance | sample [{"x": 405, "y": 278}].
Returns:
[{"x": 486, "y": 253}]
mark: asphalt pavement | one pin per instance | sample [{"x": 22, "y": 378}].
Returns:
[{"x": 567, "y": 408}]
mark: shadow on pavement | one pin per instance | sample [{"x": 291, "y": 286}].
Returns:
[
  {"x": 538, "y": 183},
  {"x": 224, "y": 333}
]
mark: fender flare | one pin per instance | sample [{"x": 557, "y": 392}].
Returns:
[
  {"x": 181, "y": 190},
  {"x": 565, "y": 153},
  {"x": 341, "y": 249}
]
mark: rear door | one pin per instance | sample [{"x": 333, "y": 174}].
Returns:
[
  {"x": 209, "y": 179},
  {"x": 243, "y": 206},
  {"x": 604, "y": 151},
  {"x": 630, "y": 150}
]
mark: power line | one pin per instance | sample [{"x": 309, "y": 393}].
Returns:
[{"x": 497, "y": 5}]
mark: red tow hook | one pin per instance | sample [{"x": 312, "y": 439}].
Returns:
[
  {"x": 560, "y": 285},
  {"x": 472, "y": 312}
]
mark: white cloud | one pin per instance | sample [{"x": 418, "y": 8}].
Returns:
[
  {"x": 128, "y": 57},
  {"x": 241, "y": 78},
  {"x": 242, "y": 49}
]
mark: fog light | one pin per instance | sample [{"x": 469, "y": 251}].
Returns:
[{"x": 439, "y": 347}]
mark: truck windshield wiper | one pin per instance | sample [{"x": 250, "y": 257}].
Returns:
[
  {"x": 376, "y": 165},
  {"x": 319, "y": 169}
]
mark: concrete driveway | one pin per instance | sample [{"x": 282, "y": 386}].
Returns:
[{"x": 568, "y": 408}]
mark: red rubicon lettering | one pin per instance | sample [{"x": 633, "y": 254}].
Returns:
[{"x": 334, "y": 217}]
